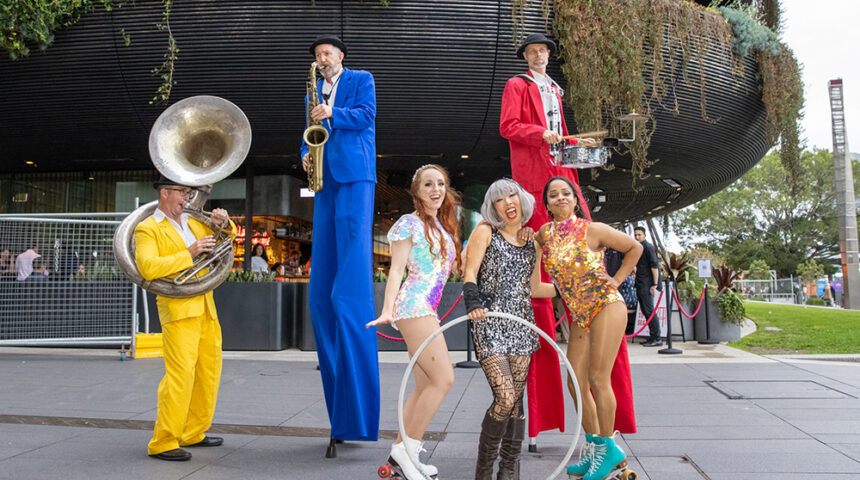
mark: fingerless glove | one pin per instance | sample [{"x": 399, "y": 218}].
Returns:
[{"x": 472, "y": 296}]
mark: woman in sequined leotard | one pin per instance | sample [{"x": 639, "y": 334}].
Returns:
[
  {"x": 426, "y": 243},
  {"x": 572, "y": 255},
  {"x": 502, "y": 275}
]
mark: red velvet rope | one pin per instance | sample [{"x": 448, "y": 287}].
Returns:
[
  {"x": 701, "y": 300},
  {"x": 400, "y": 339},
  {"x": 653, "y": 312},
  {"x": 560, "y": 319}
]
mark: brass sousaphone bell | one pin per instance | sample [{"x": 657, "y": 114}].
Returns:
[{"x": 196, "y": 142}]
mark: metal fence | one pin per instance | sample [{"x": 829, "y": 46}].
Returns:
[
  {"x": 775, "y": 290},
  {"x": 75, "y": 294}
]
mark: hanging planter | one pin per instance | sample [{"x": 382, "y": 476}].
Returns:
[{"x": 623, "y": 56}]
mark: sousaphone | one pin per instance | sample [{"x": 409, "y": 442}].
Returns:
[{"x": 196, "y": 142}]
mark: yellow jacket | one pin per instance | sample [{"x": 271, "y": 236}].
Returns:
[{"x": 160, "y": 252}]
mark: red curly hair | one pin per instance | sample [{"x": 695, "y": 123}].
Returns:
[{"x": 447, "y": 213}]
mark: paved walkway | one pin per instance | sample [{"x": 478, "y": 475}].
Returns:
[{"x": 712, "y": 413}]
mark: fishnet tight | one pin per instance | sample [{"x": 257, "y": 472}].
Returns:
[{"x": 506, "y": 375}]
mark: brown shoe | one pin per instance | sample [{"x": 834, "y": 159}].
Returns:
[
  {"x": 510, "y": 450},
  {"x": 488, "y": 446},
  {"x": 175, "y": 455},
  {"x": 208, "y": 442}
]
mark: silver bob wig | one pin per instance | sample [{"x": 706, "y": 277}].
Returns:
[{"x": 500, "y": 189}]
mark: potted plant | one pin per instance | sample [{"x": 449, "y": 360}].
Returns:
[
  {"x": 255, "y": 312},
  {"x": 725, "y": 308}
]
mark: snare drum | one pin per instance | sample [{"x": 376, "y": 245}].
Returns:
[{"x": 577, "y": 156}]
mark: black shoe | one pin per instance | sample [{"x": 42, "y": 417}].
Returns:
[
  {"x": 643, "y": 342},
  {"x": 653, "y": 343},
  {"x": 208, "y": 442},
  {"x": 175, "y": 455}
]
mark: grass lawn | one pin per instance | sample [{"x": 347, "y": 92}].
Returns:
[{"x": 804, "y": 330}]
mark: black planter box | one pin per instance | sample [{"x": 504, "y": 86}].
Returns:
[
  {"x": 253, "y": 315},
  {"x": 455, "y": 336},
  {"x": 719, "y": 330}
]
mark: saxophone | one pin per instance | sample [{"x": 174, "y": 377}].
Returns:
[{"x": 315, "y": 135}]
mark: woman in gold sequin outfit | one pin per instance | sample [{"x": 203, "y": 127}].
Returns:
[{"x": 571, "y": 249}]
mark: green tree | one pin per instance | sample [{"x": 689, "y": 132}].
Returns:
[
  {"x": 759, "y": 218},
  {"x": 759, "y": 270},
  {"x": 810, "y": 270}
]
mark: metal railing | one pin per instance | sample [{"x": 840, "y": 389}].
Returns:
[
  {"x": 76, "y": 295},
  {"x": 774, "y": 290}
]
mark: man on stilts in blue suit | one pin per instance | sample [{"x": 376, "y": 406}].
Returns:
[{"x": 341, "y": 288}]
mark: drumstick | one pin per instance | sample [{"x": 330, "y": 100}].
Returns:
[{"x": 598, "y": 133}]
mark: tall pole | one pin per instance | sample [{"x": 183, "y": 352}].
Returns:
[
  {"x": 846, "y": 211},
  {"x": 658, "y": 245}
]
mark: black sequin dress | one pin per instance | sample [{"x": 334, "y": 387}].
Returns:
[{"x": 504, "y": 281}]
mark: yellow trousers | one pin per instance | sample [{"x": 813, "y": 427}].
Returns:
[{"x": 187, "y": 393}]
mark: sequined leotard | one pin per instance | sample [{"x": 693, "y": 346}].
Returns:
[
  {"x": 573, "y": 268},
  {"x": 427, "y": 273},
  {"x": 504, "y": 281}
]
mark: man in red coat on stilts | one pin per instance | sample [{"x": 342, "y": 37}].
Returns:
[{"x": 533, "y": 123}]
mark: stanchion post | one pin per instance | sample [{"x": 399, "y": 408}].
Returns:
[
  {"x": 668, "y": 350},
  {"x": 707, "y": 340},
  {"x": 468, "y": 363}
]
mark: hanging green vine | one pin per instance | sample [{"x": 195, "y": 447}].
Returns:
[
  {"x": 621, "y": 56},
  {"x": 614, "y": 60},
  {"x": 28, "y": 23},
  {"x": 782, "y": 87},
  {"x": 166, "y": 69}
]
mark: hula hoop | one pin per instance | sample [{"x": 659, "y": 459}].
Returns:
[{"x": 551, "y": 341}]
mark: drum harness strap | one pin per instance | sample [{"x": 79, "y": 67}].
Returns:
[
  {"x": 559, "y": 90},
  {"x": 554, "y": 84}
]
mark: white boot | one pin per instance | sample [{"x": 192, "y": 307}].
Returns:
[
  {"x": 416, "y": 446},
  {"x": 399, "y": 459}
]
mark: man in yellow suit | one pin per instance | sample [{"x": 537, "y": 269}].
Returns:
[{"x": 165, "y": 244}]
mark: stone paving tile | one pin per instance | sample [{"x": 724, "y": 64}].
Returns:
[
  {"x": 694, "y": 475},
  {"x": 783, "y": 476},
  {"x": 708, "y": 419},
  {"x": 849, "y": 449},
  {"x": 109, "y": 468},
  {"x": 726, "y": 448},
  {"x": 673, "y": 464},
  {"x": 849, "y": 438},
  {"x": 771, "y": 463},
  {"x": 828, "y": 426},
  {"x": 825, "y": 414},
  {"x": 7, "y": 452},
  {"x": 809, "y": 404},
  {"x": 678, "y": 415},
  {"x": 720, "y": 433},
  {"x": 31, "y": 437}
]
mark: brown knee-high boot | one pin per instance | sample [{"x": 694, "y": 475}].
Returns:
[
  {"x": 512, "y": 446},
  {"x": 488, "y": 446}
]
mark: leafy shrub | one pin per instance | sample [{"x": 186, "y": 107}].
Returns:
[
  {"x": 243, "y": 276},
  {"x": 817, "y": 301},
  {"x": 731, "y": 308}
]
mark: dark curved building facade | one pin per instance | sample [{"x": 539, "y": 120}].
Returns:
[{"x": 440, "y": 68}]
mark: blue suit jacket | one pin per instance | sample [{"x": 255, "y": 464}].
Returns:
[{"x": 350, "y": 152}]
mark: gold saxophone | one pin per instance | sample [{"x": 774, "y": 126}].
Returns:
[{"x": 315, "y": 135}]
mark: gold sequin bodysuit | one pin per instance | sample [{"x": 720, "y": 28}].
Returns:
[{"x": 574, "y": 267}]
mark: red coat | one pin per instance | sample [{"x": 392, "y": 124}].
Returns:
[{"x": 523, "y": 123}]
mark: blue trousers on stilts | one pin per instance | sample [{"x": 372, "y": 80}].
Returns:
[{"x": 341, "y": 302}]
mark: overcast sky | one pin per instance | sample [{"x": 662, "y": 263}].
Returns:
[{"x": 822, "y": 33}]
